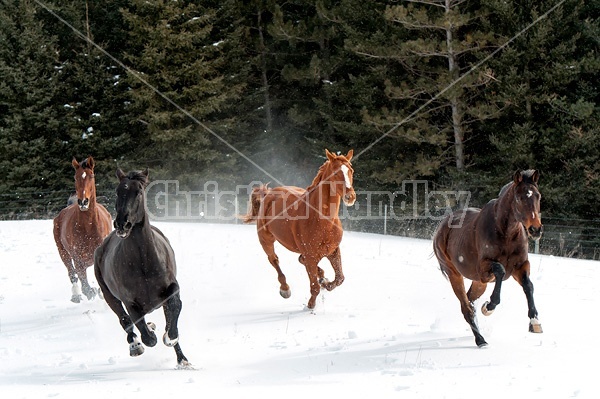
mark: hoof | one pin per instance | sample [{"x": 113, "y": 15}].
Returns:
[
  {"x": 482, "y": 344},
  {"x": 285, "y": 294},
  {"x": 169, "y": 342},
  {"x": 91, "y": 294},
  {"x": 485, "y": 310},
  {"x": 535, "y": 326},
  {"x": 136, "y": 348},
  {"x": 184, "y": 365},
  {"x": 76, "y": 298}
]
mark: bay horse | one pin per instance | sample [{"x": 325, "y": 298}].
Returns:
[
  {"x": 135, "y": 268},
  {"x": 490, "y": 245},
  {"x": 80, "y": 228},
  {"x": 306, "y": 221}
]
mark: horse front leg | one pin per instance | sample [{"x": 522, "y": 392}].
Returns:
[
  {"x": 135, "y": 346},
  {"x": 68, "y": 262},
  {"x": 268, "y": 243},
  {"x": 522, "y": 276},
  {"x": 499, "y": 272},
  {"x": 86, "y": 288},
  {"x": 172, "y": 309},
  {"x": 146, "y": 329},
  {"x": 336, "y": 262}
]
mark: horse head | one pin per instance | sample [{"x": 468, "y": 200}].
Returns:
[
  {"x": 131, "y": 200},
  {"x": 526, "y": 204},
  {"x": 85, "y": 184},
  {"x": 341, "y": 172}
]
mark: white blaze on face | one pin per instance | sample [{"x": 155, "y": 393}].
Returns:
[
  {"x": 83, "y": 175},
  {"x": 345, "y": 171},
  {"x": 529, "y": 194}
]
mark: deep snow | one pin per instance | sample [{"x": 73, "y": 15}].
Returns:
[{"x": 393, "y": 329}]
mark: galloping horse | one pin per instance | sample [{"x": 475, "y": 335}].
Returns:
[
  {"x": 306, "y": 221},
  {"x": 135, "y": 267},
  {"x": 80, "y": 228},
  {"x": 490, "y": 244}
]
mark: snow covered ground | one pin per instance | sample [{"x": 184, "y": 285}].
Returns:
[{"x": 393, "y": 329}]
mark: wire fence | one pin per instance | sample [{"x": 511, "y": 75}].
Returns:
[{"x": 373, "y": 213}]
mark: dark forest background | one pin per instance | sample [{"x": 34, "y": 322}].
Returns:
[{"x": 242, "y": 91}]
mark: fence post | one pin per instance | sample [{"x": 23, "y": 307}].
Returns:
[
  {"x": 385, "y": 219},
  {"x": 537, "y": 246}
]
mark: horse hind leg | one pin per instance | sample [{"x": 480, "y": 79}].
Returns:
[
  {"x": 468, "y": 311},
  {"x": 269, "y": 248}
]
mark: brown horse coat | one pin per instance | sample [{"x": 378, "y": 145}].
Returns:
[
  {"x": 80, "y": 228},
  {"x": 490, "y": 245},
  {"x": 306, "y": 221}
]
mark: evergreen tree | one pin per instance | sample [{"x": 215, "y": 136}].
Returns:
[
  {"x": 179, "y": 67},
  {"x": 426, "y": 54},
  {"x": 31, "y": 135},
  {"x": 548, "y": 79}
]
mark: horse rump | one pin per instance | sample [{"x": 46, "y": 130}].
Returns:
[{"x": 256, "y": 197}]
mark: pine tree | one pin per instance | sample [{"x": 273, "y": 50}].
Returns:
[
  {"x": 179, "y": 66},
  {"x": 426, "y": 54},
  {"x": 31, "y": 134}
]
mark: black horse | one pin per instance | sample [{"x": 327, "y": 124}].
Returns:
[{"x": 135, "y": 267}]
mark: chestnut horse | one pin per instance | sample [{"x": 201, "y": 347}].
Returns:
[
  {"x": 135, "y": 267},
  {"x": 490, "y": 245},
  {"x": 80, "y": 228},
  {"x": 306, "y": 221}
]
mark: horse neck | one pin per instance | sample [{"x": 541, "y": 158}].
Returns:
[
  {"x": 506, "y": 221},
  {"x": 320, "y": 198}
]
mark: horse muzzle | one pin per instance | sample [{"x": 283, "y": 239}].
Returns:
[
  {"x": 535, "y": 232},
  {"x": 84, "y": 204},
  {"x": 124, "y": 230},
  {"x": 349, "y": 198}
]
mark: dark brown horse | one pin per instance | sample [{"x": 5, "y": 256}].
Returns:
[
  {"x": 80, "y": 228},
  {"x": 135, "y": 267},
  {"x": 490, "y": 245},
  {"x": 306, "y": 221}
]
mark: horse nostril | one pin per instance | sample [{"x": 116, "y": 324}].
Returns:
[{"x": 128, "y": 225}]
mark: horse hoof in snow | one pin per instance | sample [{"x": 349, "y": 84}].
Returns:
[
  {"x": 136, "y": 348},
  {"x": 535, "y": 326},
  {"x": 285, "y": 294}
]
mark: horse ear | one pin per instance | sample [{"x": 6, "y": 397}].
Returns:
[
  {"x": 75, "y": 163},
  {"x": 90, "y": 162},
  {"x": 518, "y": 177},
  {"x": 535, "y": 176},
  {"x": 145, "y": 174},
  {"x": 349, "y": 155},
  {"x": 330, "y": 156},
  {"x": 120, "y": 174}
]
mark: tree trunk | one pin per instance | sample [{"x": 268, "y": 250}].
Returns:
[{"x": 264, "y": 77}]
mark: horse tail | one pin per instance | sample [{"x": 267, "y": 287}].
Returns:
[
  {"x": 258, "y": 193},
  {"x": 440, "y": 242}
]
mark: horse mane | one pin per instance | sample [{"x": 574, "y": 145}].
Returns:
[
  {"x": 138, "y": 175},
  {"x": 527, "y": 178},
  {"x": 318, "y": 177}
]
